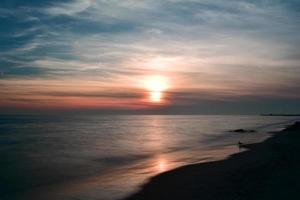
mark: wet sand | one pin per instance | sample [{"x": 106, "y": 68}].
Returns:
[{"x": 267, "y": 170}]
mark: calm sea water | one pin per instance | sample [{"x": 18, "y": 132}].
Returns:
[{"x": 108, "y": 156}]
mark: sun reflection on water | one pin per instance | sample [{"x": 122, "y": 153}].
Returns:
[{"x": 162, "y": 166}]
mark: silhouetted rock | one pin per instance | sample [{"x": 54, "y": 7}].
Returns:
[{"x": 242, "y": 131}]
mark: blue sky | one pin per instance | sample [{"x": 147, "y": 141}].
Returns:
[{"x": 225, "y": 53}]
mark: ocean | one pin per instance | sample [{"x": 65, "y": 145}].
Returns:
[{"x": 108, "y": 157}]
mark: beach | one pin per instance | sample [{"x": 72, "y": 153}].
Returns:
[{"x": 266, "y": 170}]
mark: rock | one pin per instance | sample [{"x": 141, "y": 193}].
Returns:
[{"x": 242, "y": 131}]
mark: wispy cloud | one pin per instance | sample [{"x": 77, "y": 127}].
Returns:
[{"x": 73, "y": 8}]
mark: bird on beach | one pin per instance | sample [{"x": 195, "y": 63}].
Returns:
[{"x": 240, "y": 145}]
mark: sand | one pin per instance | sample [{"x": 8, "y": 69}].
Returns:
[{"x": 267, "y": 170}]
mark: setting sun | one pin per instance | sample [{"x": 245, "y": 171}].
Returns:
[
  {"x": 157, "y": 83},
  {"x": 155, "y": 96},
  {"x": 156, "y": 86}
]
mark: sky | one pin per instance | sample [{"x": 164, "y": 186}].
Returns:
[{"x": 150, "y": 56}]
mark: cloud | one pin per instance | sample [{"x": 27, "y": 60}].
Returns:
[
  {"x": 75, "y": 7},
  {"x": 103, "y": 94}
]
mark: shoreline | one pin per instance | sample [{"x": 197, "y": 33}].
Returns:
[{"x": 267, "y": 170}]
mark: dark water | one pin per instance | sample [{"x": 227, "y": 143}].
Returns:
[{"x": 108, "y": 157}]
